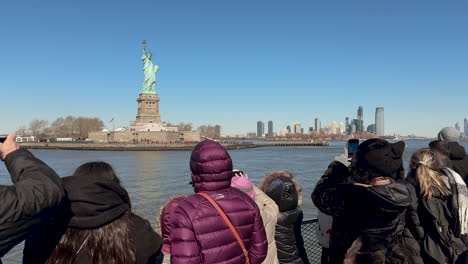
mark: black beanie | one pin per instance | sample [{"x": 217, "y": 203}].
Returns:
[
  {"x": 378, "y": 158},
  {"x": 95, "y": 202}
]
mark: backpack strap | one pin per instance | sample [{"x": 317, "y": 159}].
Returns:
[{"x": 229, "y": 223}]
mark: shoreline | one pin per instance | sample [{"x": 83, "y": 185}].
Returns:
[
  {"x": 152, "y": 147},
  {"x": 124, "y": 147}
]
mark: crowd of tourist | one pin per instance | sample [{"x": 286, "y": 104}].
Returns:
[{"x": 371, "y": 211}]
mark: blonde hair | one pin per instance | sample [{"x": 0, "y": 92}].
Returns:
[{"x": 425, "y": 166}]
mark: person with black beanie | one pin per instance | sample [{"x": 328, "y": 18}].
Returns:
[
  {"x": 97, "y": 225},
  {"x": 373, "y": 202}
]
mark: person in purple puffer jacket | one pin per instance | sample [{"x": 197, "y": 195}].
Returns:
[{"x": 199, "y": 233}]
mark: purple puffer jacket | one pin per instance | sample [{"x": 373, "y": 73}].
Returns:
[{"x": 199, "y": 233}]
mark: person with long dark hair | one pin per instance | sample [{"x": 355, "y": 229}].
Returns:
[{"x": 99, "y": 226}]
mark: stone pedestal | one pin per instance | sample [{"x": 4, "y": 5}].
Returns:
[{"x": 148, "y": 109}]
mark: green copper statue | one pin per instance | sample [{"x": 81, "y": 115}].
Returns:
[{"x": 149, "y": 83}]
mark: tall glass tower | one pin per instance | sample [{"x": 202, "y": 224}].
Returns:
[
  {"x": 466, "y": 126},
  {"x": 379, "y": 121},
  {"x": 270, "y": 128},
  {"x": 260, "y": 129}
]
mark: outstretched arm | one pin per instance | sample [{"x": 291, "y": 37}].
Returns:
[
  {"x": 31, "y": 201},
  {"x": 329, "y": 194}
]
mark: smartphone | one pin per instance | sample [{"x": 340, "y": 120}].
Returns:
[
  {"x": 352, "y": 146},
  {"x": 3, "y": 138}
]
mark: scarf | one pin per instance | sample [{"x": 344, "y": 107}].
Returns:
[{"x": 460, "y": 193}]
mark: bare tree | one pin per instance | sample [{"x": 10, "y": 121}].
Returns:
[
  {"x": 184, "y": 126},
  {"x": 37, "y": 127},
  {"x": 209, "y": 131},
  {"x": 22, "y": 131}
]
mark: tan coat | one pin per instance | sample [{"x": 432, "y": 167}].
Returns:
[{"x": 269, "y": 212}]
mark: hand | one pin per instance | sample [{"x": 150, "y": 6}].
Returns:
[
  {"x": 8, "y": 146},
  {"x": 362, "y": 184},
  {"x": 241, "y": 174}
]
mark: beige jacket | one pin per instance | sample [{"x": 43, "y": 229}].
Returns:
[{"x": 269, "y": 212}]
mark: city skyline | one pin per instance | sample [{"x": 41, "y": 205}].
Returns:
[{"x": 286, "y": 62}]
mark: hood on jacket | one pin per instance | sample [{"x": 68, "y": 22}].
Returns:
[
  {"x": 211, "y": 167},
  {"x": 391, "y": 198},
  {"x": 95, "y": 201},
  {"x": 283, "y": 191},
  {"x": 263, "y": 185},
  {"x": 163, "y": 220},
  {"x": 375, "y": 158},
  {"x": 457, "y": 152}
]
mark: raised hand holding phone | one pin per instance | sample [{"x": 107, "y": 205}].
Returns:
[{"x": 8, "y": 145}]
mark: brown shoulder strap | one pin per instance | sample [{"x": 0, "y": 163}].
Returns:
[{"x": 229, "y": 223}]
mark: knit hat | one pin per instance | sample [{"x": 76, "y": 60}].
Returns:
[
  {"x": 377, "y": 157},
  {"x": 244, "y": 185},
  {"x": 449, "y": 134},
  {"x": 95, "y": 202}
]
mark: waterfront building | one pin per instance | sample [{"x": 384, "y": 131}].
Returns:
[
  {"x": 371, "y": 128},
  {"x": 260, "y": 129},
  {"x": 465, "y": 123},
  {"x": 318, "y": 125},
  {"x": 353, "y": 128},
  {"x": 333, "y": 127},
  {"x": 311, "y": 129},
  {"x": 289, "y": 129},
  {"x": 379, "y": 121},
  {"x": 283, "y": 132},
  {"x": 270, "y": 129}
]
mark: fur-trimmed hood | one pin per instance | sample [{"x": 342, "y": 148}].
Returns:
[
  {"x": 163, "y": 220},
  {"x": 270, "y": 177}
]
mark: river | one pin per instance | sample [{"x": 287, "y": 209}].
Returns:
[{"x": 151, "y": 177}]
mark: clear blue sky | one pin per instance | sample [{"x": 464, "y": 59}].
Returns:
[{"x": 236, "y": 62}]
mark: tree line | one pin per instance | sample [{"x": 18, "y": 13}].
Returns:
[
  {"x": 79, "y": 128},
  {"x": 62, "y": 127}
]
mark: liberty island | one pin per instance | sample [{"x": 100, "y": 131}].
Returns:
[{"x": 148, "y": 126}]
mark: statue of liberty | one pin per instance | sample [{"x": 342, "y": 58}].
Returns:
[{"x": 149, "y": 69}]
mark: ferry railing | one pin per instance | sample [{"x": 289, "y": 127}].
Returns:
[{"x": 309, "y": 230}]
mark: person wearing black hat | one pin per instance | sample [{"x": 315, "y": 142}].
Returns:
[
  {"x": 370, "y": 207},
  {"x": 97, "y": 225}
]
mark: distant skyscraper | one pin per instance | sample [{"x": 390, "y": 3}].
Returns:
[
  {"x": 342, "y": 128},
  {"x": 333, "y": 127},
  {"x": 347, "y": 126},
  {"x": 379, "y": 121},
  {"x": 289, "y": 129},
  {"x": 311, "y": 129},
  {"x": 297, "y": 128},
  {"x": 457, "y": 126},
  {"x": 353, "y": 128},
  {"x": 318, "y": 125},
  {"x": 371, "y": 128},
  {"x": 360, "y": 118},
  {"x": 283, "y": 132},
  {"x": 260, "y": 129},
  {"x": 270, "y": 128},
  {"x": 466, "y": 126}
]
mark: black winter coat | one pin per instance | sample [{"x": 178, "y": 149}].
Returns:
[
  {"x": 376, "y": 214},
  {"x": 34, "y": 198},
  {"x": 438, "y": 225},
  {"x": 288, "y": 237},
  {"x": 459, "y": 160}
]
